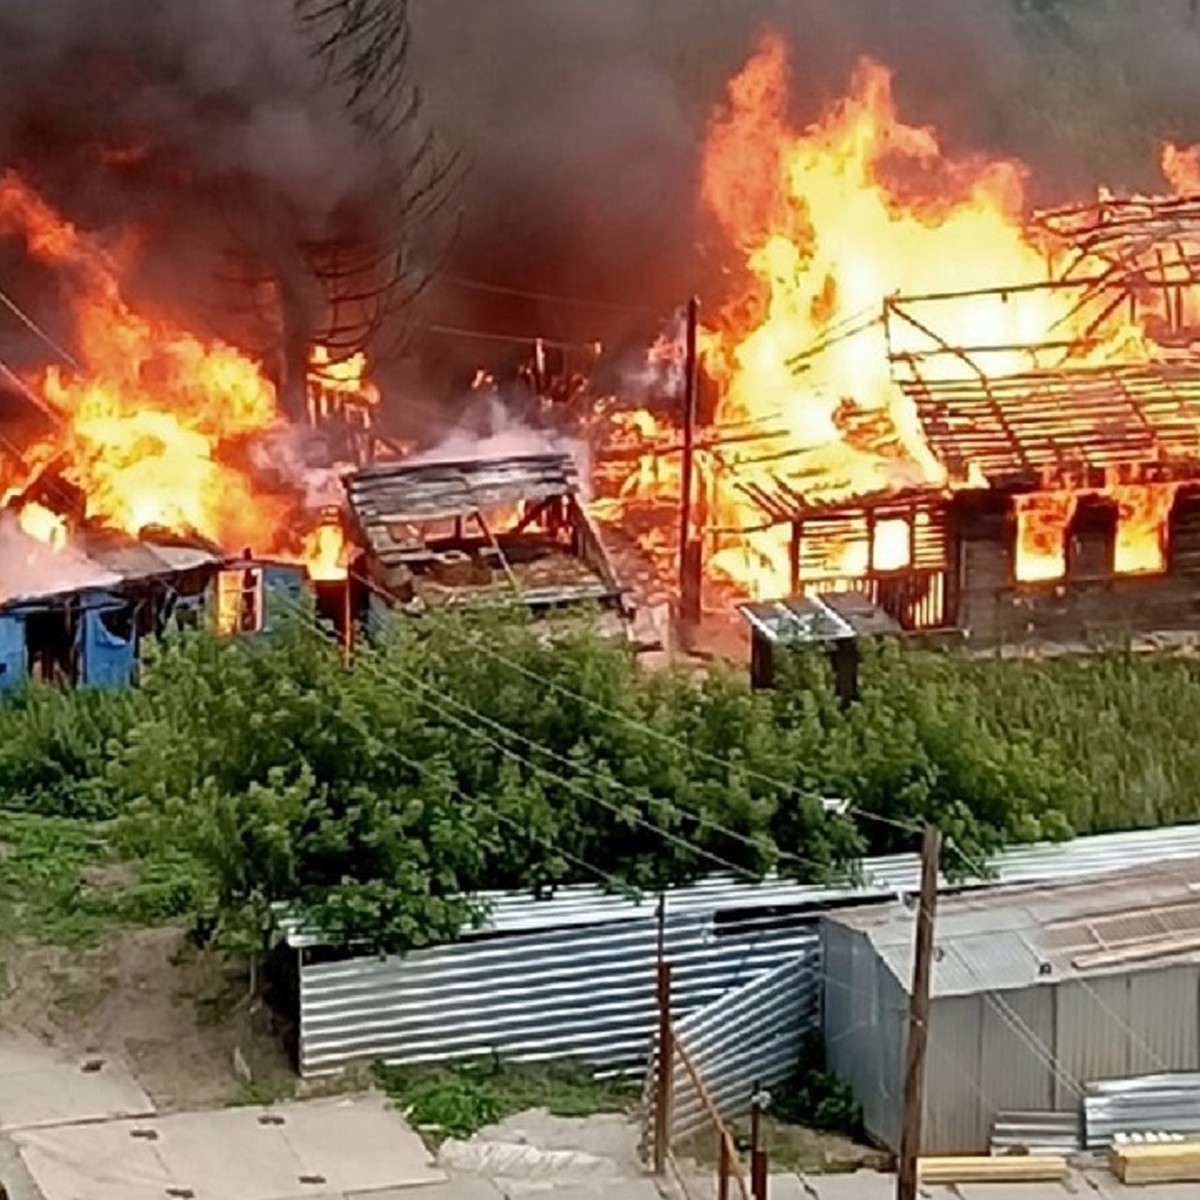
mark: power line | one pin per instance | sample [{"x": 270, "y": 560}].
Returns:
[
  {"x": 476, "y": 285},
  {"x": 573, "y": 785},
  {"x": 666, "y": 805},
  {"x": 508, "y": 338},
  {"x": 34, "y": 328}
]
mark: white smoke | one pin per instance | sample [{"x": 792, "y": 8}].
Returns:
[
  {"x": 495, "y": 432},
  {"x": 298, "y": 456},
  {"x": 660, "y": 374}
]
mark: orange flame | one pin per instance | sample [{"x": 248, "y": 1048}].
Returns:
[
  {"x": 831, "y": 221},
  {"x": 151, "y": 420},
  {"x": 325, "y": 553},
  {"x": 44, "y": 524}
]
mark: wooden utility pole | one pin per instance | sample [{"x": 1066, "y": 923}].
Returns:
[
  {"x": 664, "y": 1079},
  {"x": 918, "y": 1020},
  {"x": 690, "y": 564}
]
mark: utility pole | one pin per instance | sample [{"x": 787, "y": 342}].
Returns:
[
  {"x": 690, "y": 564},
  {"x": 918, "y": 1020}
]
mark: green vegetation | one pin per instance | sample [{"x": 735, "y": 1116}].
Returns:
[
  {"x": 467, "y": 753},
  {"x": 812, "y": 1096},
  {"x": 457, "y": 1100}
]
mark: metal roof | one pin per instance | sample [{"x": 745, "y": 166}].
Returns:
[
  {"x": 426, "y": 491},
  {"x": 1139, "y": 918},
  {"x": 32, "y": 570},
  {"x": 817, "y": 620},
  {"x": 880, "y": 878},
  {"x": 1020, "y": 429}
]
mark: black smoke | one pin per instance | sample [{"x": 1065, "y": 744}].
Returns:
[{"x": 582, "y": 121}]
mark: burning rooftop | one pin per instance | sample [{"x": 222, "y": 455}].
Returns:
[{"x": 965, "y": 414}]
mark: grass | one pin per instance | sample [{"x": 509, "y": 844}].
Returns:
[
  {"x": 457, "y": 1100},
  {"x": 262, "y": 1093},
  {"x": 63, "y": 882}
]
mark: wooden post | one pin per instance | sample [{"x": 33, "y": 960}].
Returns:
[
  {"x": 691, "y": 565},
  {"x": 918, "y": 1020},
  {"x": 758, "y": 1156},
  {"x": 724, "y": 1167},
  {"x": 666, "y": 1050},
  {"x": 348, "y": 618}
]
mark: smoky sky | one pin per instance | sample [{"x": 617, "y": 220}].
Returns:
[
  {"x": 579, "y": 122},
  {"x": 582, "y": 120}
]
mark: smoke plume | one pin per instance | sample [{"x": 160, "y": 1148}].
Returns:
[{"x": 582, "y": 122}]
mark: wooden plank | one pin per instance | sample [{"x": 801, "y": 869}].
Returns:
[{"x": 1006, "y": 1168}]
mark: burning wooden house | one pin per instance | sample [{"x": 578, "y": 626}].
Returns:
[
  {"x": 1038, "y": 466},
  {"x": 78, "y": 613},
  {"x": 513, "y": 528}
]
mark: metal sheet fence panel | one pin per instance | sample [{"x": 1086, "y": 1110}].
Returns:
[
  {"x": 1148, "y": 1104},
  {"x": 751, "y": 1034},
  {"x": 585, "y": 993}
]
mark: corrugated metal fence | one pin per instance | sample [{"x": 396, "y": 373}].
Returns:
[
  {"x": 573, "y": 976},
  {"x": 585, "y": 993},
  {"x": 749, "y": 1036}
]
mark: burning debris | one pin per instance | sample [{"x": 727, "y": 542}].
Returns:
[{"x": 152, "y": 427}]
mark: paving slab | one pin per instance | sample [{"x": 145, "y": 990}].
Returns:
[
  {"x": 1012, "y": 1191},
  {"x": 359, "y": 1144},
  {"x": 862, "y": 1185},
  {"x": 315, "y": 1148},
  {"x": 41, "y": 1087},
  {"x": 612, "y": 1189},
  {"x": 451, "y": 1189}
]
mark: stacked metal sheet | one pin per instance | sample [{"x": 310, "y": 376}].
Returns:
[
  {"x": 1148, "y": 1104},
  {"x": 1037, "y": 1133}
]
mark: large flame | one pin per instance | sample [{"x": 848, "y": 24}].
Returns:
[
  {"x": 150, "y": 418},
  {"x": 831, "y": 221},
  {"x": 153, "y": 423}
]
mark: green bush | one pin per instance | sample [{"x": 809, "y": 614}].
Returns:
[
  {"x": 469, "y": 752},
  {"x": 814, "y": 1097}
]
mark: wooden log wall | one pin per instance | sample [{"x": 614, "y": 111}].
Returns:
[{"x": 1091, "y": 604}]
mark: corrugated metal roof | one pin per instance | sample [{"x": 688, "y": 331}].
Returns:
[
  {"x": 414, "y": 491},
  {"x": 1050, "y": 930},
  {"x": 1147, "y": 1104},
  {"x": 185, "y": 558},
  {"x": 881, "y": 878},
  {"x": 32, "y": 570},
  {"x": 1038, "y": 1133}
]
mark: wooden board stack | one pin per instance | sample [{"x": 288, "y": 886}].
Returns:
[
  {"x": 1169, "y": 1162},
  {"x": 999, "y": 1168}
]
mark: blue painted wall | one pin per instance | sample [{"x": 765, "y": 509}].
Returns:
[
  {"x": 107, "y": 660},
  {"x": 14, "y": 661},
  {"x": 283, "y": 590}
]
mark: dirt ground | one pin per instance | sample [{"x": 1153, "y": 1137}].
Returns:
[{"x": 179, "y": 1018}]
